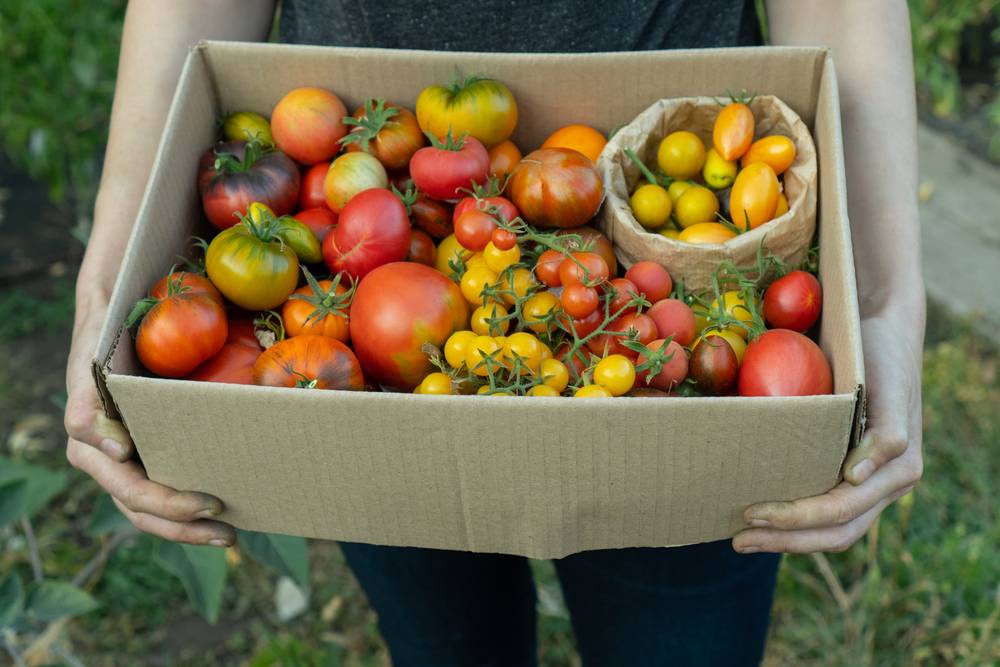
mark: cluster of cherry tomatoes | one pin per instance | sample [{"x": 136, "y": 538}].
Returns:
[
  {"x": 699, "y": 196},
  {"x": 419, "y": 251}
]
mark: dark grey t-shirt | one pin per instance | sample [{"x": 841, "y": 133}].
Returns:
[{"x": 511, "y": 26}]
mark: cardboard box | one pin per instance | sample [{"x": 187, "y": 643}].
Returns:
[{"x": 540, "y": 477}]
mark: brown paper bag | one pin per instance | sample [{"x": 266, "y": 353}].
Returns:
[{"x": 787, "y": 237}]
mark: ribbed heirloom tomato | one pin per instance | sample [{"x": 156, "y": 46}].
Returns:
[
  {"x": 556, "y": 187},
  {"x": 308, "y": 123},
  {"x": 445, "y": 169},
  {"x": 387, "y": 131},
  {"x": 309, "y": 362},
  {"x": 351, "y": 174},
  {"x": 399, "y": 308},
  {"x": 482, "y": 108}
]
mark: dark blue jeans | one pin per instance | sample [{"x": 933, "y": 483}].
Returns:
[{"x": 701, "y": 605}]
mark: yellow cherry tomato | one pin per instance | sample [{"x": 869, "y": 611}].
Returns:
[
  {"x": 700, "y": 316},
  {"x": 483, "y": 314},
  {"x": 670, "y": 232},
  {"x": 436, "y": 383},
  {"x": 554, "y": 374},
  {"x": 537, "y": 307},
  {"x": 651, "y": 205},
  {"x": 244, "y": 125},
  {"x": 681, "y": 154},
  {"x": 485, "y": 391},
  {"x": 498, "y": 260},
  {"x": 456, "y": 347},
  {"x": 776, "y": 151},
  {"x": 477, "y": 259},
  {"x": 697, "y": 204},
  {"x": 546, "y": 352},
  {"x": 719, "y": 173},
  {"x": 735, "y": 341},
  {"x": 450, "y": 249},
  {"x": 592, "y": 391},
  {"x": 706, "y": 232},
  {"x": 542, "y": 390},
  {"x": 525, "y": 346},
  {"x": 615, "y": 373},
  {"x": 734, "y": 306},
  {"x": 754, "y": 196},
  {"x": 676, "y": 189},
  {"x": 476, "y": 355},
  {"x": 519, "y": 281},
  {"x": 473, "y": 282},
  {"x": 782, "y": 207}
]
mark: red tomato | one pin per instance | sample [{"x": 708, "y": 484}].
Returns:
[
  {"x": 431, "y": 216},
  {"x": 309, "y": 362},
  {"x": 588, "y": 269},
  {"x": 503, "y": 239},
  {"x": 672, "y": 372},
  {"x": 387, "y": 131},
  {"x": 373, "y": 230},
  {"x": 311, "y": 193},
  {"x": 422, "y": 248},
  {"x": 506, "y": 209},
  {"x": 674, "y": 319},
  {"x": 784, "y": 363},
  {"x": 474, "y": 229},
  {"x": 180, "y": 332},
  {"x": 232, "y": 364},
  {"x": 652, "y": 280},
  {"x": 547, "y": 267},
  {"x": 624, "y": 290},
  {"x": 397, "y": 309},
  {"x": 320, "y": 220},
  {"x": 242, "y": 331},
  {"x": 733, "y": 131},
  {"x": 233, "y": 175},
  {"x": 556, "y": 187},
  {"x": 183, "y": 282},
  {"x": 442, "y": 173},
  {"x": 592, "y": 240},
  {"x": 714, "y": 366},
  {"x": 606, "y": 344},
  {"x": 793, "y": 302},
  {"x": 308, "y": 123},
  {"x": 579, "y": 301}
]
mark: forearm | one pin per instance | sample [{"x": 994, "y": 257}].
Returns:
[
  {"x": 873, "y": 58},
  {"x": 155, "y": 41}
]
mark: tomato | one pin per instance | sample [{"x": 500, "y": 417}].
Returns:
[
  {"x": 480, "y": 321},
  {"x": 456, "y": 347},
  {"x": 444, "y": 171},
  {"x": 505, "y": 209},
  {"x": 651, "y": 279},
  {"x": 793, "y": 302},
  {"x": 674, "y": 319},
  {"x": 243, "y": 331},
  {"x": 233, "y": 175},
  {"x": 625, "y": 290},
  {"x": 592, "y": 240},
  {"x": 538, "y": 314},
  {"x": 247, "y": 125},
  {"x": 308, "y": 123},
  {"x": 784, "y": 363},
  {"x": 681, "y": 155},
  {"x": 677, "y": 188},
  {"x": 431, "y": 216},
  {"x": 387, "y": 131},
  {"x": 642, "y": 326},
  {"x": 782, "y": 207},
  {"x": 584, "y": 326},
  {"x": 351, "y": 174},
  {"x": 647, "y": 392},
  {"x": 581, "y": 138},
  {"x": 252, "y": 265},
  {"x": 321, "y": 308},
  {"x": 718, "y": 172},
  {"x": 373, "y": 230},
  {"x": 776, "y": 151},
  {"x": 696, "y": 204},
  {"x": 503, "y": 239},
  {"x": 733, "y": 130},
  {"x": 578, "y": 301},
  {"x": 592, "y": 391},
  {"x": 669, "y": 232},
  {"x": 497, "y": 260},
  {"x": 556, "y": 187},
  {"x": 547, "y": 267},
  {"x": 554, "y": 374},
  {"x": 516, "y": 283},
  {"x": 713, "y": 366},
  {"x": 672, "y": 371},
  {"x": 736, "y": 342},
  {"x": 449, "y": 249},
  {"x": 503, "y": 158},
  {"x": 706, "y": 232},
  {"x": 232, "y": 364},
  {"x": 436, "y": 384},
  {"x": 754, "y": 197},
  {"x": 543, "y": 390},
  {"x": 479, "y": 353},
  {"x": 184, "y": 282},
  {"x": 474, "y": 280},
  {"x": 615, "y": 373},
  {"x": 481, "y": 108},
  {"x": 422, "y": 248},
  {"x": 474, "y": 229},
  {"x": 320, "y": 221},
  {"x": 309, "y": 362},
  {"x": 179, "y": 332},
  {"x": 651, "y": 205},
  {"x": 583, "y": 268},
  {"x": 524, "y": 346},
  {"x": 734, "y": 306},
  {"x": 311, "y": 194},
  {"x": 397, "y": 309}
]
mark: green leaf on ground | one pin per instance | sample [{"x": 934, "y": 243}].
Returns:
[
  {"x": 202, "y": 570},
  {"x": 284, "y": 554},
  {"x": 12, "y": 500},
  {"x": 11, "y": 600},
  {"x": 107, "y": 518},
  {"x": 42, "y": 484},
  {"x": 50, "y": 600}
]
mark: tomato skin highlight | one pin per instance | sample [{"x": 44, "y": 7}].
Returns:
[
  {"x": 732, "y": 133},
  {"x": 180, "y": 332},
  {"x": 781, "y": 362},
  {"x": 794, "y": 302},
  {"x": 556, "y": 187},
  {"x": 232, "y": 364},
  {"x": 309, "y": 359},
  {"x": 307, "y": 124},
  {"x": 443, "y": 174},
  {"x": 373, "y": 230}
]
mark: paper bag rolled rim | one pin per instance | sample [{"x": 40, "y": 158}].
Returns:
[{"x": 787, "y": 237}]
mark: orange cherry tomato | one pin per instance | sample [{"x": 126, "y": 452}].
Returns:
[
  {"x": 706, "y": 232},
  {"x": 733, "y": 131},
  {"x": 777, "y": 151},
  {"x": 582, "y": 138},
  {"x": 503, "y": 158},
  {"x": 586, "y": 268},
  {"x": 754, "y": 196}
]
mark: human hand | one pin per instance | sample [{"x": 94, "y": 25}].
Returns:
[
  {"x": 885, "y": 466},
  {"x": 102, "y": 448}
]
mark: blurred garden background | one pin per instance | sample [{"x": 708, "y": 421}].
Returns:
[{"x": 79, "y": 587}]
